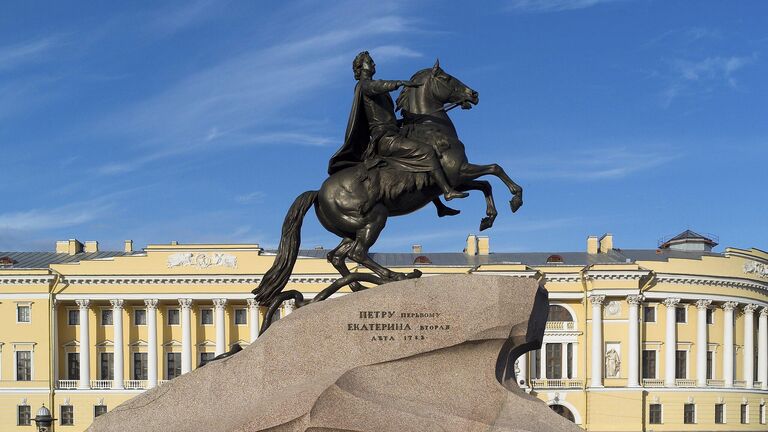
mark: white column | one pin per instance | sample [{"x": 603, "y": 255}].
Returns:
[
  {"x": 543, "y": 361},
  {"x": 701, "y": 342},
  {"x": 728, "y": 326},
  {"x": 289, "y": 306},
  {"x": 253, "y": 319},
  {"x": 597, "y": 340},
  {"x": 522, "y": 365},
  {"x": 85, "y": 346},
  {"x": 564, "y": 360},
  {"x": 186, "y": 334},
  {"x": 219, "y": 304},
  {"x": 749, "y": 345},
  {"x": 762, "y": 348},
  {"x": 670, "y": 341},
  {"x": 151, "y": 342},
  {"x": 119, "y": 358},
  {"x": 633, "y": 351}
]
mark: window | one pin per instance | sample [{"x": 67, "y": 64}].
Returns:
[
  {"x": 99, "y": 410},
  {"x": 23, "y": 365},
  {"x": 559, "y": 313},
  {"x": 681, "y": 364},
  {"x": 240, "y": 317},
  {"x": 710, "y": 364},
  {"x": 555, "y": 259},
  {"x": 744, "y": 417},
  {"x": 689, "y": 413},
  {"x": 23, "y": 415},
  {"x": 23, "y": 313},
  {"x": 67, "y": 415},
  {"x": 570, "y": 360},
  {"x": 710, "y": 316},
  {"x": 206, "y": 316},
  {"x": 649, "y": 314},
  {"x": 106, "y": 317},
  {"x": 140, "y": 317},
  {"x": 205, "y": 358},
  {"x": 654, "y": 414},
  {"x": 173, "y": 317},
  {"x": 762, "y": 413},
  {"x": 173, "y": 365},
  {"x": 535, "y": 356},
  {"x": 554, "y": 361},
  {"x": 719, "y": 414},
  {"x": 649, "y": 364},
  {"x": 106, "y": 366},
  {"x": 73, "y": 317},
  {"x": 681, "y": 315},
  {"x": 139, "y": 366},
  {"x": 73, "y": 366}
]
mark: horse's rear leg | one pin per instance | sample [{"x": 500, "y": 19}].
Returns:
[
  {"x": 366, "y": 237},
  {"x": 472, "y": 171},
  {"x": 490, "y": 206},
  {"x": 337, "y": 258}
]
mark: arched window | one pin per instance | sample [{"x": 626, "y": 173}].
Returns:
[
  {"x": 421, "y": 259},
  {"x": 559, "y": 313},
  {"x": 563, "y": 411},
  {"x": 555, "y": 259}
]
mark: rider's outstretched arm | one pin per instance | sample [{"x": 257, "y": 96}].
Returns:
[{"x": 377, "y": 87}]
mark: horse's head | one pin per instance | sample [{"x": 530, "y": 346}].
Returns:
[{"x": 437, "y": 89}]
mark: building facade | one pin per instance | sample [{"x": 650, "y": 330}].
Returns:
[{"x": 673, "y": 338}]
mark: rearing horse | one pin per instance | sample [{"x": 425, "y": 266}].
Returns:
[{"x": 354, "y": 203}]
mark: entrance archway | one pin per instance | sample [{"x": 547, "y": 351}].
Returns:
[{"x": 563, "y": 411}]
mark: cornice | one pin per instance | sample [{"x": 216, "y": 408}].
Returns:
[
  {"x": 25, "y": 279},
  {"x": 710, "y": 281},
  {"x": 562, "y": 277},
  {"x": 616, "y": 275},
  {"x": 187, "y": 279}
]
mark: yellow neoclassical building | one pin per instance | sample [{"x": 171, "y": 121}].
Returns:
[{"x": 673, "y": 338}]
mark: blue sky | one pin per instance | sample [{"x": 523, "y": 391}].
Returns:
[{"x": 201, "y": 121}]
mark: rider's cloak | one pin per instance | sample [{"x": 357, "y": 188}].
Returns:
[{"x": 356, "y": 139}]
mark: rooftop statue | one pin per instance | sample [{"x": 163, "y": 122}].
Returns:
[{"x": 386, "y": 167}]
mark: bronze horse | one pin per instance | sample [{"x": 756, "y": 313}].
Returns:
[{"x": 354, "y": 203}]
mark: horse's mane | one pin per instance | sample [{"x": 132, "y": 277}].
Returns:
[{"x": 402, "y": 99}]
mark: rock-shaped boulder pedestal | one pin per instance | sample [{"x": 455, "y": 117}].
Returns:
[{"x": 419, "y": 355}]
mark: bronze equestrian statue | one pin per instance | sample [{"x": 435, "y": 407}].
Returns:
[{"x": 385, "y": 168}]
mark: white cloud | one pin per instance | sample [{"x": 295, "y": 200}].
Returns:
[
  {"x": 60, "y": 217},
  {"x": 594, "y": 164},
  {"x": 15, "y": 55},
  {"x": 172, "y": 20},
  {"x": 690, "y": 78},
  {"x": 541, "y": 6},
  {"x": 251, "y": 197},
  {"x": 242, "y": 99}
]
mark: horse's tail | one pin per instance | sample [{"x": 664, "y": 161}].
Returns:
[{"x": 276, "y": 278}]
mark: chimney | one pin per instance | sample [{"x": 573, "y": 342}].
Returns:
[
  {"x": 62, "y": 246},
  {"x": 592, "y": 245},
  {"x": 91, "y": 246},
  {"x": 416, "y": 249},
  {"x": 483, "y": 245},
  {"x": 71, "y": 246},
  {"x": 471, "y": 248},
  {"x": 174, "y": 243},
  {"x": 606, "y": 243},
  {"x": 128, "y": 246}
]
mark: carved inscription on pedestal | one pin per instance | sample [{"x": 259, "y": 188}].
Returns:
[{"x": 394, "y": 325}]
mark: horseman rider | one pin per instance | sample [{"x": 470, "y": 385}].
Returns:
[{"x": 373, "y": 131}]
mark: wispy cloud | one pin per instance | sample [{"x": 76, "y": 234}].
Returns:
[
  {"x": 594, "y": 164},
  {"x": 692, "y": 77},
  {"x": 542, "y": 6},
  {"x": 171, "y": 20},
  {"x": 59, "y": 217},
  {"x": 239, "y": 100},
  {"x": 251, "y": 197},
  {"x": 12, "y": 56}
]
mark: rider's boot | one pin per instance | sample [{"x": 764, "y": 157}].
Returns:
[{"x": 448, "y": 192}]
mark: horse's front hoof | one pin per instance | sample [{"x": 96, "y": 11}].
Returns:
[
  {"x": 415, "y": 274},
  {"x": 515, "y": 203},
  {"x": 486, "y": 223}
]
